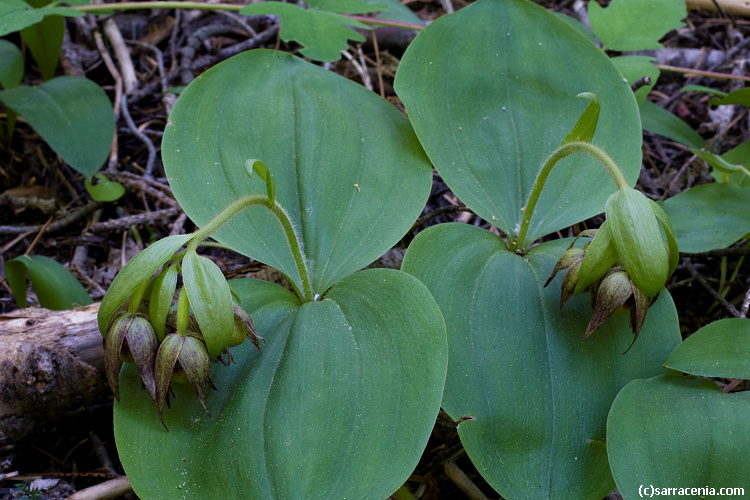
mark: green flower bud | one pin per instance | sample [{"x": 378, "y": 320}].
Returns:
[
  {"x": 244, "y": 328},
  {"x": 637, "y": 237}
]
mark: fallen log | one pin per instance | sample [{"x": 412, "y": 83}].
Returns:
[{"x": 51, "y": 362}]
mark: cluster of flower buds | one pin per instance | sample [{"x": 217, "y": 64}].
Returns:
[
  {"x": 625, "y": 265},
  {"x": 141, "y": 326}
]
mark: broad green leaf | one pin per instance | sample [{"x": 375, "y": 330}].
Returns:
[
  {"x": 635, "y": 24},
  {"x": 138, "y": 270},
  {"x": 11, "y": 65},
  {"x": 709, "y": 216},
  {"x": 720, "y": 349},
  {"x": 679, "y": 432},
  {"x": 44, "y": 40},
  {"x": 53, "y": 284},
  {"x": 16, "y": 15},
  {"x": 210, "y": 299},
  {"x": 104, "y": 189},
  {"x": 741, "y": 96},
  {"x": 490, "y": 104},
  {"x": 348, "y": 168},
  {"x": 538, "y": 396},
  {"x": 72, "y": 114},
  {"x": 634, "y": 68},
  {"x": 636, "y": 234},
  {"x": 324, "y": 34},
  {"x": 339, "y": 403},
  {"x": 660, "y": 121},
  {"x": 578, "y": 25}
]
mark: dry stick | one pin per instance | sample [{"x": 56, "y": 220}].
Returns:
[
  {"x": 143, "y": 137},
  {"x": 377, "y": 63},
  {"x": 123, "y": 223},
  {"x": 745, "y": 305},
  {"x": 464, "y": 483},
  {"x": 127, "y": 70},
  {"x": 106, "y": 490},
  {"x": 113, "y": 154},
  {"x": 695, "y": 274},
  {"x": 69, "y": 219}
]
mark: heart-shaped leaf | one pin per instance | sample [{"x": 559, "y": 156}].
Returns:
[
  {"x": 720, "y": 349},
  {"x": 538, "y": 396},
  {"x": 72, "y": 114},
  {"x": 339, "y": 403},
  {"x": 490, "y": 104},
  {"x": 55, "y": 287},
  {"x": 678, "y": 432},
  {"x": 724, "y": 217},
  {"x": 348, "y": 168}
]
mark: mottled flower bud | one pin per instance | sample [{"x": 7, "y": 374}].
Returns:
[{"x": 130, "y": 338}]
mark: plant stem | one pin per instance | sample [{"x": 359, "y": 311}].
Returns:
[
  {"x": 519, "y": 245},
  {"x": 294, "y": 243}
]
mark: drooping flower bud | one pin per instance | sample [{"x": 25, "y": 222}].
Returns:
[
  {"x": 618, "y": 290},
  {"x": 180, "y": 359},
  {"x": 130, "y": 338},
  {"x": 244, "y": 328}
]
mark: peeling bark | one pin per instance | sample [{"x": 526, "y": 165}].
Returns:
[{"x": 51, "y": 362}]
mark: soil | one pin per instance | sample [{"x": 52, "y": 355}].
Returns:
[{"x": 77, "y": 450}]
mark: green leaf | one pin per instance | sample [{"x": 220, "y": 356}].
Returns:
[
  {"x": 741, "y": 96},
  {"x": 72, "y": 114},
  {"x": 634, "y": 68},
  {"x": 55, "y": 287},
  {"x": 138, "y": 270},
  {"x": 719, "y": 163},
  {"x": 637, "y": 237},
  {"x": 578, "y": 25},
  {"x": 324, "y": 34},
  {"x": 11, "y": 65},
  {"x": 260, "y": 168},
  {"x": 488, "y": 132},
  {"x": 660, "y": 121},
  {"x": 339, "y": 403},
  {"x": 703, "y": 88},
  {"x": 348, "y": 168},
  {"x": 723, "y": 217},
  {"x": 585, "y": 127},
  {"x": 210, "y": 299},
  {"x": 599, "y": 258},
  {"x": 44, "y": 40},
  {"x": 538, "y": 396},
  {"x": 635, "y": 24},
  {"x": 738, "y": 155},
  {"x": 16, "y": 15},
  {"x": 719, "y": 349},
  {"x": 679, "y": 432},
  {"x": 162, "y": 295},
  {"x": 105, "y": 189},
  {"x": 396, "y": 11},
  {"x": 348, "y": 6}
]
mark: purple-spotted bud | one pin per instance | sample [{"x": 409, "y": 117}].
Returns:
[
  {"x": 244, "y": 328},
  {"x": 130, "y": 338},
  {"x": 616, "y": 291},
  {"x": 182, "y": 359}
]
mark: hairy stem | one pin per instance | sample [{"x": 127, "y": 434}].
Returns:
[
  {"x": 519, "y": 245},
  {"x": 294, "y": 242}
]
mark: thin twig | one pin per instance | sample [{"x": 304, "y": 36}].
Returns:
[
  {"x": 699, "y": 278},
  {"x": 66, "y": 221},
  {"x": 143, "y": 137}
]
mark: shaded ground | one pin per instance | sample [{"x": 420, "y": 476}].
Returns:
[{"x": 74, "y": 450}]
